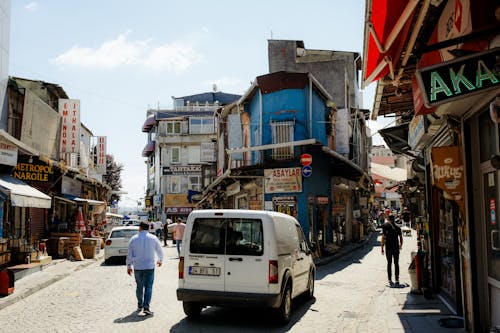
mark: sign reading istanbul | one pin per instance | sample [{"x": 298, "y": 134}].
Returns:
[
  {"x": 447, "y": 81},
  {"x": 283, "y": 180},
  {"x": 69, "y": 109}
]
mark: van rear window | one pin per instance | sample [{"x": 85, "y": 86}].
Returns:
[{"x": 227, "y": 236}]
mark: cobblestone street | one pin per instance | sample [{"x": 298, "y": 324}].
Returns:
[{"x": 351, "y": 296}]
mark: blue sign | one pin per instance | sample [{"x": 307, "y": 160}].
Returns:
[{"x": 307, "y": 170}]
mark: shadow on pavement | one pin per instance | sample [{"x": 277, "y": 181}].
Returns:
[
  {"x": 217, "y": 319},
  {"x": 134, "y": 317}
]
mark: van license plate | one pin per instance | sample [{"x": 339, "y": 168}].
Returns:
[{"x": 197, "y": 270}]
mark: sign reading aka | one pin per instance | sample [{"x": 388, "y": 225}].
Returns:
[{"x": 459, "y": 78}]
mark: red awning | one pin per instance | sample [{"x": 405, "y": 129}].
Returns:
[
  {"x": 148, "y": 124},
  {"x": 149, "y": 149},
  {"x": 387, "y": 26}
]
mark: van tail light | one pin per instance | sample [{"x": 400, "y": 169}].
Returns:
[
  {"x": 108, "y": 242},
  {"x": 181, "y": 268},
  {"x": 273, "y": 271}
]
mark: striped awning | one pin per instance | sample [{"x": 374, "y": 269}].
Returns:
[{"x": 23, "y": 195}]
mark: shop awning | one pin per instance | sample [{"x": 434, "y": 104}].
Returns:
[
  {"x": 387, "y": 25},
  {"x": 88, "y": 201},
  {"x": 148, "y": 124},
  {"x": 23, "y": 195},
  {"x": 148, "y": 149},
  {"x": 384, "y": 171},
  {"x": 396, "y": 138}
]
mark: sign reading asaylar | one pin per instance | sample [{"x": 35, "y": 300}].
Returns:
[
  {"x": 282, "y": 180},
  {"x": 448, "y": 171}
]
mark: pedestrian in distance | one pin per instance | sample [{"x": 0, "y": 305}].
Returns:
[
  {"x": 158, "y": 229},
  {"x": 391, "y": 233},
  {"x": 165, "y": 231},
  {"x": 178, "y": 234},
  {"x": 141, "y": 261}
]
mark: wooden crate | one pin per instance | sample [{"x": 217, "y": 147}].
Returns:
[{"x": 77, "y": 253}]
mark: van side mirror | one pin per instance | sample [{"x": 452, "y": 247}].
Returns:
[{"x": 312, "y": 246}]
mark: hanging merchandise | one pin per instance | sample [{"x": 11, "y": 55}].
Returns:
[{"x": 80, "y": 221}]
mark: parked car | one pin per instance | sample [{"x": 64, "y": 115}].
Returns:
[
  {"x": 116, "y": 245},
  {"x": 244, "y": 258}
]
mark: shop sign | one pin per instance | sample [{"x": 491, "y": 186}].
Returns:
[
  {"x": 178, "y": 210},
  {"x": 448, "y": 171},
  {"x": 322, "y": 200},
  {"x": 8, "y": 153},
  {"x": 493, "y": 211},
  {"x": 207, "y": 152},
  {"x": 69, "y": 109},
  {"x": 101, "y": 155},
  {"x": 71, "y": 186},
  {"x": 416, "y": 131},
  {"x": 157, "y": 200},
  {"x": 181, "y": 169},
  {"x": 233, "y": 189},
  {"x": 148, "y": 201},
  {"x": 176, "y": 200},
  {"x": 39, "y": 172},
  {"x": 459, "y": 78},
  {"x": 282, "y": 180}
]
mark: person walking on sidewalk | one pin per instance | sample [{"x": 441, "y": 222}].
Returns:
[
  {"x": 178, "y": 234},
  {"x": 141, "y": 261},
  {"x": 390, "y": 235}
]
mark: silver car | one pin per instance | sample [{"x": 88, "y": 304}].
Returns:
[{"x": 116, "y": 245}]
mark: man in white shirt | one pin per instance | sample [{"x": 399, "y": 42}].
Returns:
[
  {"x": 141, "y": 261},
  {"x": 158, "y": 228}
]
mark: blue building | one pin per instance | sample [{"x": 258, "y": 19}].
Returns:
[{"x": 284, "y": 146}]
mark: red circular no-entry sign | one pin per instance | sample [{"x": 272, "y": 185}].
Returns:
[{"x": 306, "y": 159}]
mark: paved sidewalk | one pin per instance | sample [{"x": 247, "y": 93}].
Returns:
[{"x": 56, "y": 270}]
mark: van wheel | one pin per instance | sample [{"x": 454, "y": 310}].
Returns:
[
  {"x": 285, "y": 309},
  {"x": 310, "y": 285},
  {"x": 191, "y": 309}
]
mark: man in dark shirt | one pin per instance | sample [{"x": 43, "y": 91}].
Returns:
[{"x": 390, "y": 234}]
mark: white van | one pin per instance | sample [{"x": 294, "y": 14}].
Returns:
[{"x": 232, "y": 257}]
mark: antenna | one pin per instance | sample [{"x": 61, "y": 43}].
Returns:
[{"x": 271, "y": 34}]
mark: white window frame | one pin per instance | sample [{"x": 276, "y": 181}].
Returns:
[
  {"x": 195, "y": 186},
  {"x": 175, "y": 184},
  {"x": 282, "y": 132},
  {"x": 206, "y": 126},
  {"x": 173, "y": 127},
  {"x": 172, "y": 160}
]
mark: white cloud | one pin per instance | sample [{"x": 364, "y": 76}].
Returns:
[
  {"x": 32, "y": 6},
  {"x": 175, "y": 57}
]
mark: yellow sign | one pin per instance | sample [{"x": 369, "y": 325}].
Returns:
[{"x": 33, "y": 172}]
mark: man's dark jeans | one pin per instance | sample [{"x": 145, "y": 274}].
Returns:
[
  {"x": 144, "y": 279},
  {"x": 390, "y": 255}
]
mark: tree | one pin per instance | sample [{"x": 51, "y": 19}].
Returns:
[{"x": 113, "y": 176}]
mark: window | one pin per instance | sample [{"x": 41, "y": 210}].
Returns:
[
  {"x": 175, "y": 157},
  {"x": 174, "y": 127},
  {"x": 282, "y": 132},
  {"x": 230, "y": 236},
  {"x": 194, "y": 183},
  {"x": 175, "y": 184},
  {"x": 194, "y": 154},
  {"x": 201, "y": 125}
]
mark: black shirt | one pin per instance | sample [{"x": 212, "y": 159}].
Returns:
[
  {"x": 406, "y": 216},
  {"x": 391, "y": 233}
]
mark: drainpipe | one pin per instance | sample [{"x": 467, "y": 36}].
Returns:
[{"x": 310, "y": 108}]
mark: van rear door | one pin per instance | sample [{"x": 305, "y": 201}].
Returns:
[
  {"x": 246, "y": 268},
  {"x": 204, "y": 255}
]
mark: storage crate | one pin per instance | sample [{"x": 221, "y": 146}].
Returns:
[
  {"x": 3, "y": 244},
  {"x": 89, "y": 251}
]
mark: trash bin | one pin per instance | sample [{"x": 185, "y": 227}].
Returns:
[
  {"x": 412, "y": 271},
  {"x": 6, "y": 282}
]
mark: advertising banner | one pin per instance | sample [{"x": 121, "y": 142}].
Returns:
[
  {"x": 448, "y": 172},
  {"x": 283, "y": 180},
  {"x": 8, "y": 153},
  {"x": 69, "y": 109},
  {"x": 101, "y": 155},
  {"x": 71, "y": 186}
]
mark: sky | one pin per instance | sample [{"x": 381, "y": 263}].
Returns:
[{"x": 122, "y": 57}]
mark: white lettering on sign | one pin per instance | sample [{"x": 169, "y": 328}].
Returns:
[{"x": 70, "y": 125}]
